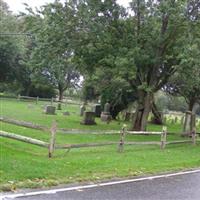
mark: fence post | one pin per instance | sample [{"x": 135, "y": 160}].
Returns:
[
  {"x": 37, "y": 99},
  {"x": 194, "y": 136},
  {"x": 52, "y": 101},
  {"x": 18, "y": 97},
  {"x": 163, "y": 138},
  {"x": 52, "y": 139},
  {"x": 122, "y": 138}
]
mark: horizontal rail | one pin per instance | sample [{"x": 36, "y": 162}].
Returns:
[
  {"x": 24, "y": 124},
  {"x": 76, "y": 131},
  {"x": 23, "y": 139},
  {"x": 142, "y": 143},
  {"x": 69, "y": 146},
  {"x": 25, "y": 97},
  {"x": 72, "y": 131},
  {"x": 179, "y": 142},
  {"x": 143, "y": 133}
]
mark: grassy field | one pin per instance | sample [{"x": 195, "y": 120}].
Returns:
[{"x": 25, "y": 165}]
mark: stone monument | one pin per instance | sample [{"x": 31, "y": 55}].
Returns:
[
  {"x": 97, "y": 109},
  {"x": 82, "y": 109},
  {"x": 50, "y": 110},
  {"x": 105, "y": 115},
  {"x": 88, "y": 118}
]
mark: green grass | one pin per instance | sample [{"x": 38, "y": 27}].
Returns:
[{"x": 25, "y": 165}]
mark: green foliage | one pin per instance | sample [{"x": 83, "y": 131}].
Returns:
[
  {"x": 168, "y": 102},
  {"x": 107, "y": 85},
  {"x": 52, "y": 55},
  {"x": 43, "y": 91},
  {"x": 9, "y": 46},
  {"x": 142, "y": 49},
  {"x": 186, "y": 80}
]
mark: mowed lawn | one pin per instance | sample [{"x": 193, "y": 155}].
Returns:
[{"x": 26, "y": 165}]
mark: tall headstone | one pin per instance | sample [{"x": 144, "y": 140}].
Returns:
[
  {"x": 82, "y": 109},
  {"x": 105, "y": 115},
  {"x": 107, "y": 108},
  {"x": 97, "y": 109},
  {"x": 88, "y": 118}
]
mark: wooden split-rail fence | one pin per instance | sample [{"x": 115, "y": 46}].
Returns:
[{"x": 52, "y": 146}]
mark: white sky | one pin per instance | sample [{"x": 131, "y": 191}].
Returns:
[{"x": 17, "y": 5}]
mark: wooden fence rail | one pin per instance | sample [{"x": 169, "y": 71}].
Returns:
[
  {"x": 24, "y": 139},
  {"x": 52, "y": 144},
  {"x": 24, "y": 124}
]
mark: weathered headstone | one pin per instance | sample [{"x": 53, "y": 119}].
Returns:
[
  {"x": 88, "y": 118},
  {"x": 189, "y": 123},
  {"x": 107, "y": 108},
  {"x": 82, "y": 109},
  {"x": 50, "y": 110},
  {"x": 52, "y": 101},
  {"x": 97, "y": 109},
  {"x": 105, "y": 115}
]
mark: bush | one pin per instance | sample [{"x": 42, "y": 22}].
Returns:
[{"x": 42, "y": 91}]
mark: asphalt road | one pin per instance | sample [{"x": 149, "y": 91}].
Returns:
[{"x": 181, "y": 187}]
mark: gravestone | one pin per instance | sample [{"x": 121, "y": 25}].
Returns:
[
  {"x": 105, "y": 115},
  {"x": 97, "y": 109},
  {"x": 82, "y": 109},
  {"x": 189, "y": 123},
  {"x": 88, "y": 118},
  {"x": 50, "y": 110}
]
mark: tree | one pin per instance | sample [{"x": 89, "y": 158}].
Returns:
[
  {"x": 144, "y": 47},
  {"x": 109, "y": 86},
  {"x": 186, "y": 80},
  {"x": 9, "y": 48},
  {"x": 52, "y": 57}
]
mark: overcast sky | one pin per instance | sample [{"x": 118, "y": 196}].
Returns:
[{"x": 17, "y": 5}]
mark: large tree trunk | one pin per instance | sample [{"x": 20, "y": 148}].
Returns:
[
  {"x": 191, "y": 105},
  {"x": 61, "y": 92},
  {"x": 144, "y": 107},
  {"x": 157, "y": 118}
]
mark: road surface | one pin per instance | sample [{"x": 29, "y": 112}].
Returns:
[{"x": 184, "y": 186}]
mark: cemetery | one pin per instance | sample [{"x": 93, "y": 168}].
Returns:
[
  {"x": 93, "y": 90},
  {"x": 103, "y": 143}
]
